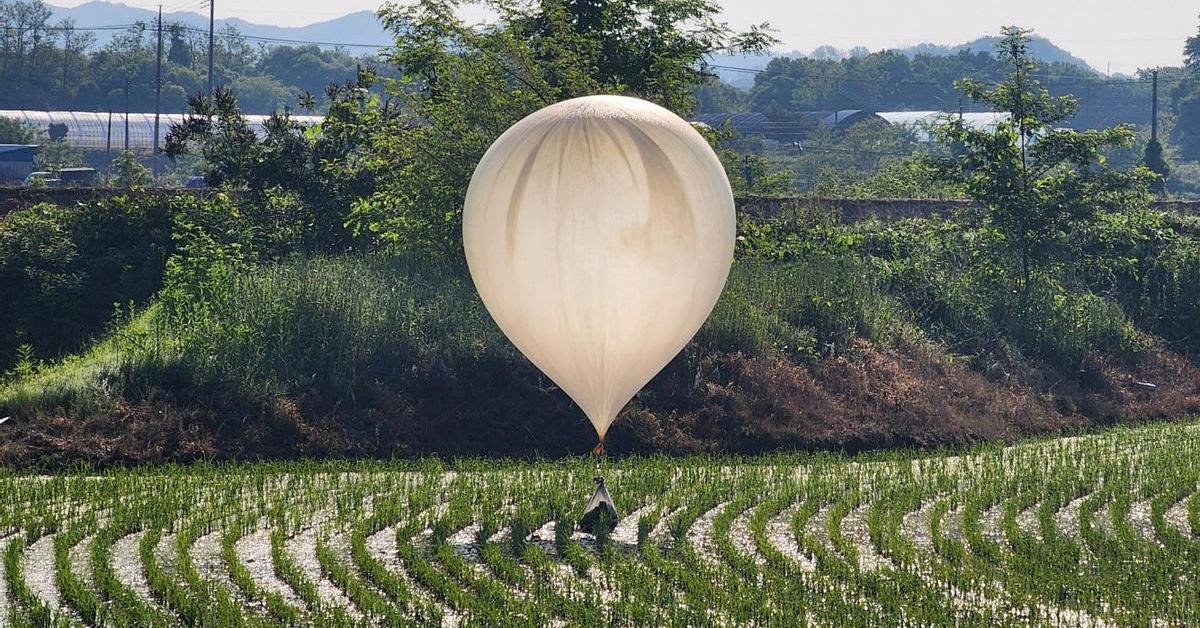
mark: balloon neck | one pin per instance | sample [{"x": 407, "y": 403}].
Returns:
[{"x": 598, "y": 454}]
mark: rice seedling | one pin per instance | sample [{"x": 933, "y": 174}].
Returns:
[{"x": 1091, "y": 530}]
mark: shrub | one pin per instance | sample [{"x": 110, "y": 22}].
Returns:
[
  {"x": 63, "y": 268},
  {"x": 335, "y": 325}
]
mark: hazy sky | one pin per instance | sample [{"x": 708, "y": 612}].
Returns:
[{"x": 1126, "y": 34}]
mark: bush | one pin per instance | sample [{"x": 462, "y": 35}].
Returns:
[
  {"x": 1150, "y": 263},
  {"x": 805, "y": 307},
  {"x": 62, "y": 269},
  {"x": 335, "y": 325}
]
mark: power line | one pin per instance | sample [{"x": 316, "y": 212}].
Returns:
[
  {"x": 193, "y": 29},
  {"x": 282, "y": 40},
  {"x": 111, "y": 27},
  {"x": 1059, "y": 79}
]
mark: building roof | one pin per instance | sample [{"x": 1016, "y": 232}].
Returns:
[
  {"x": 91, "y": 130},
  {"x": 17, "y": 152},
  {"x": 922, "y": 121},
  {"x": 798, "y": 124}
]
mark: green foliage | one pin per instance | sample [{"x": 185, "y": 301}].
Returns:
[
  {"x": 14, "y": 131},
  {"x": 1187, "y": 131},
  {"x": 815, "y": 305},
  {"x": 836, "y": 160},
  {"x": 129, "y": 172},
  {"x": 1150, "y": 266},
  {"x": 1038, "y": 182},
  {"x": 912, "y": 177},
  {"x": 461, "y": 86},
  {"x": 287, "y": 167},
  {"x": 1156, "y": 162},
  {"x": 57, "y": 154},
  {"x": 58, "y": 65},
  {"x": 322, "y": 323},
  {"x": 1191, "y": 52},
  {"x": 950, "y": 281},
  {"x": 63, "y": 268},
  {"x": 891, "y": 80},
  {"x": 754, "y": 175}
]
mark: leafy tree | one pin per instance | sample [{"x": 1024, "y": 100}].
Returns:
[
  {"x": 891, "y": 80},
  {"x": 56, "y": 154},
  {"x": 178, "y": 50},
  {"x": 1187, "y": 102},
  {"x": 290, "y": 158},
  {"x": 1191, "y": 52},
  {"x": 16, "y": 132},
  {"x": 1037, "y": 182},
  {"x": 461, "y": 86},
  {"x": 129, "y": 171},
  {"x": 1187, "y": 127},
  {"x": 218, "y": 132},
  {"x": 717, "y": 96},
  {"x": 307, "y": 68},
  {"x": 1156, "y": 162}
]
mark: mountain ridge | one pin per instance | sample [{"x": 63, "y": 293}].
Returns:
[
  {"x": 361, "y": 30},
  {"x": 1041, "y": 48},
  {"x": 358, "y": 28}
]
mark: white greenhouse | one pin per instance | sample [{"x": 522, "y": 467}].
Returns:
[
  {"x": 104, "y": 131},
  {"x": 922, "y": 121}
]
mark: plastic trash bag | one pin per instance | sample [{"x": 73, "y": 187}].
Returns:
[{"x": 600, "y": 515}]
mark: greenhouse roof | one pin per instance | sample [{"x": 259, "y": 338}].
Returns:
[{"x": 97, "y": 131}]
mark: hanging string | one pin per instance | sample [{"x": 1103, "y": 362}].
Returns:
[{"x": 598, "y": 454}]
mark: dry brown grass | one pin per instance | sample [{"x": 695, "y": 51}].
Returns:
[{"x": 868, "y": 398}]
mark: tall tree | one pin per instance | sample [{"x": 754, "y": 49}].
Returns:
[
  {"x": 462, "y": 85},
  {"x": 1037, "y": 181},
  {"x": 74, "y": 46},
  {"x": 1187, "y": 102},
  {"x": 1191, "y": 52},
  {"x": 1156, "y": 162}
]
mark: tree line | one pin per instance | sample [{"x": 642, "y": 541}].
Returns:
[
  {"x": 57, "y": 65},
  {"x": 891, "y": 80}
]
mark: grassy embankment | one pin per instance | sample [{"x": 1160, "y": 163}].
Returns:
[{"x": 829, "y": 336}]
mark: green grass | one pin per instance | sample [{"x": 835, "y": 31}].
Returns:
[
  {"x": 338, "y": 326},
  {"x": 1098, "y": 528}
]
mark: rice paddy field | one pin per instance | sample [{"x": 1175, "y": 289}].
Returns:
[{"x": 1097, "y": 530}]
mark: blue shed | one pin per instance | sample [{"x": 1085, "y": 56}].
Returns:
[{"x": 16, "y": 162}]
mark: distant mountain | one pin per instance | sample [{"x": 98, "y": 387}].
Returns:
[
  {"x": 361, "y": 27},
  {"x": 1041, "y": 48}
]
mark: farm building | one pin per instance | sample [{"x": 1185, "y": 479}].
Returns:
[
  {"x": 16, "y": 162},
  {"x": 104, "y": 131},
  {"x": 922, "y": 121}
]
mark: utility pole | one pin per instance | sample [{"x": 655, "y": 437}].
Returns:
[
  {"x": 1154, "y": 107},
  {"x": 126, "y": 114},
  {"x": 158, "y": 82},
  {"x": 211, "y": 14},
  {"x": 108, "y": 140}
]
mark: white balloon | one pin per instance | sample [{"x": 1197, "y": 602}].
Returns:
[{"x": 599, "y": 232}]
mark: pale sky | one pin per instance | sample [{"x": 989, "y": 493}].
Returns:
[{"x": 1126, "y": 34}]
